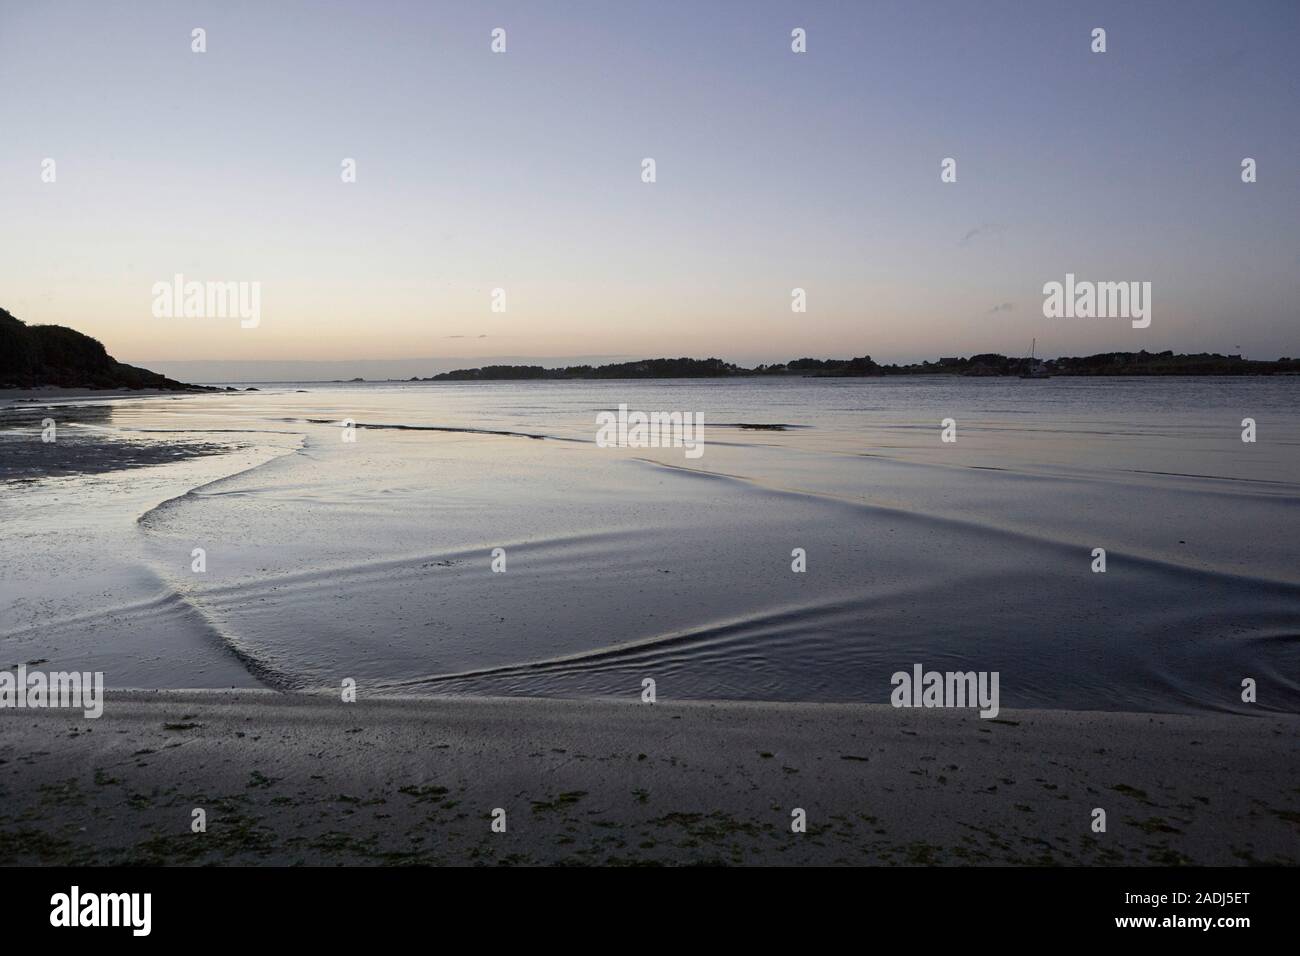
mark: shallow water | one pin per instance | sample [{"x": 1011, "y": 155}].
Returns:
[{"x": 328, "y": 559}]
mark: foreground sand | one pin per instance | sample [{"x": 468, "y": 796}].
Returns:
[{"x": 306, "y": 779}]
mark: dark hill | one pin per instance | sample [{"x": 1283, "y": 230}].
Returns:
[{"x": 35, "y": 355}]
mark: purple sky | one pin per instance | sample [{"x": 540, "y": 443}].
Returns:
[{"x": 775, "y": 170}]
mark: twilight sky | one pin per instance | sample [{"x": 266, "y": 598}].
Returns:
[{"x": 775, "y": 170}]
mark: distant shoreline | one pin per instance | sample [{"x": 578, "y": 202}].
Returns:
[
  {"x": 218, "y": 387},
  {"x": 687, "y": 378},
  {"x": 986, "y": 365},
  {"x": 45, "y": 393}
]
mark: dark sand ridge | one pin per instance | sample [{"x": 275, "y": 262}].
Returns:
[
  {"x": 87, "y": 443},
  {"x": 289, "y": 778}
]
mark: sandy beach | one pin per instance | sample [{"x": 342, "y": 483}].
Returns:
[
  {"x": 248, "y": 545},
  {"x": 305, "y": 779}
]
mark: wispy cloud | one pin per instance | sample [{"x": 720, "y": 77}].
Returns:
[{"x": 983, "y": 231}]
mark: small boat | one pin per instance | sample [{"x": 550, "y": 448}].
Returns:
[{"x": 1034, "y": 368}]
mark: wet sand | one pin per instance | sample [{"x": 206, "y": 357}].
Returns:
[
  {"x": 47, "y": 393},
  {"x": 290, "y": 779},
  {"x": 326, "y": 558},
  {"x": 85, "y": 441}
]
